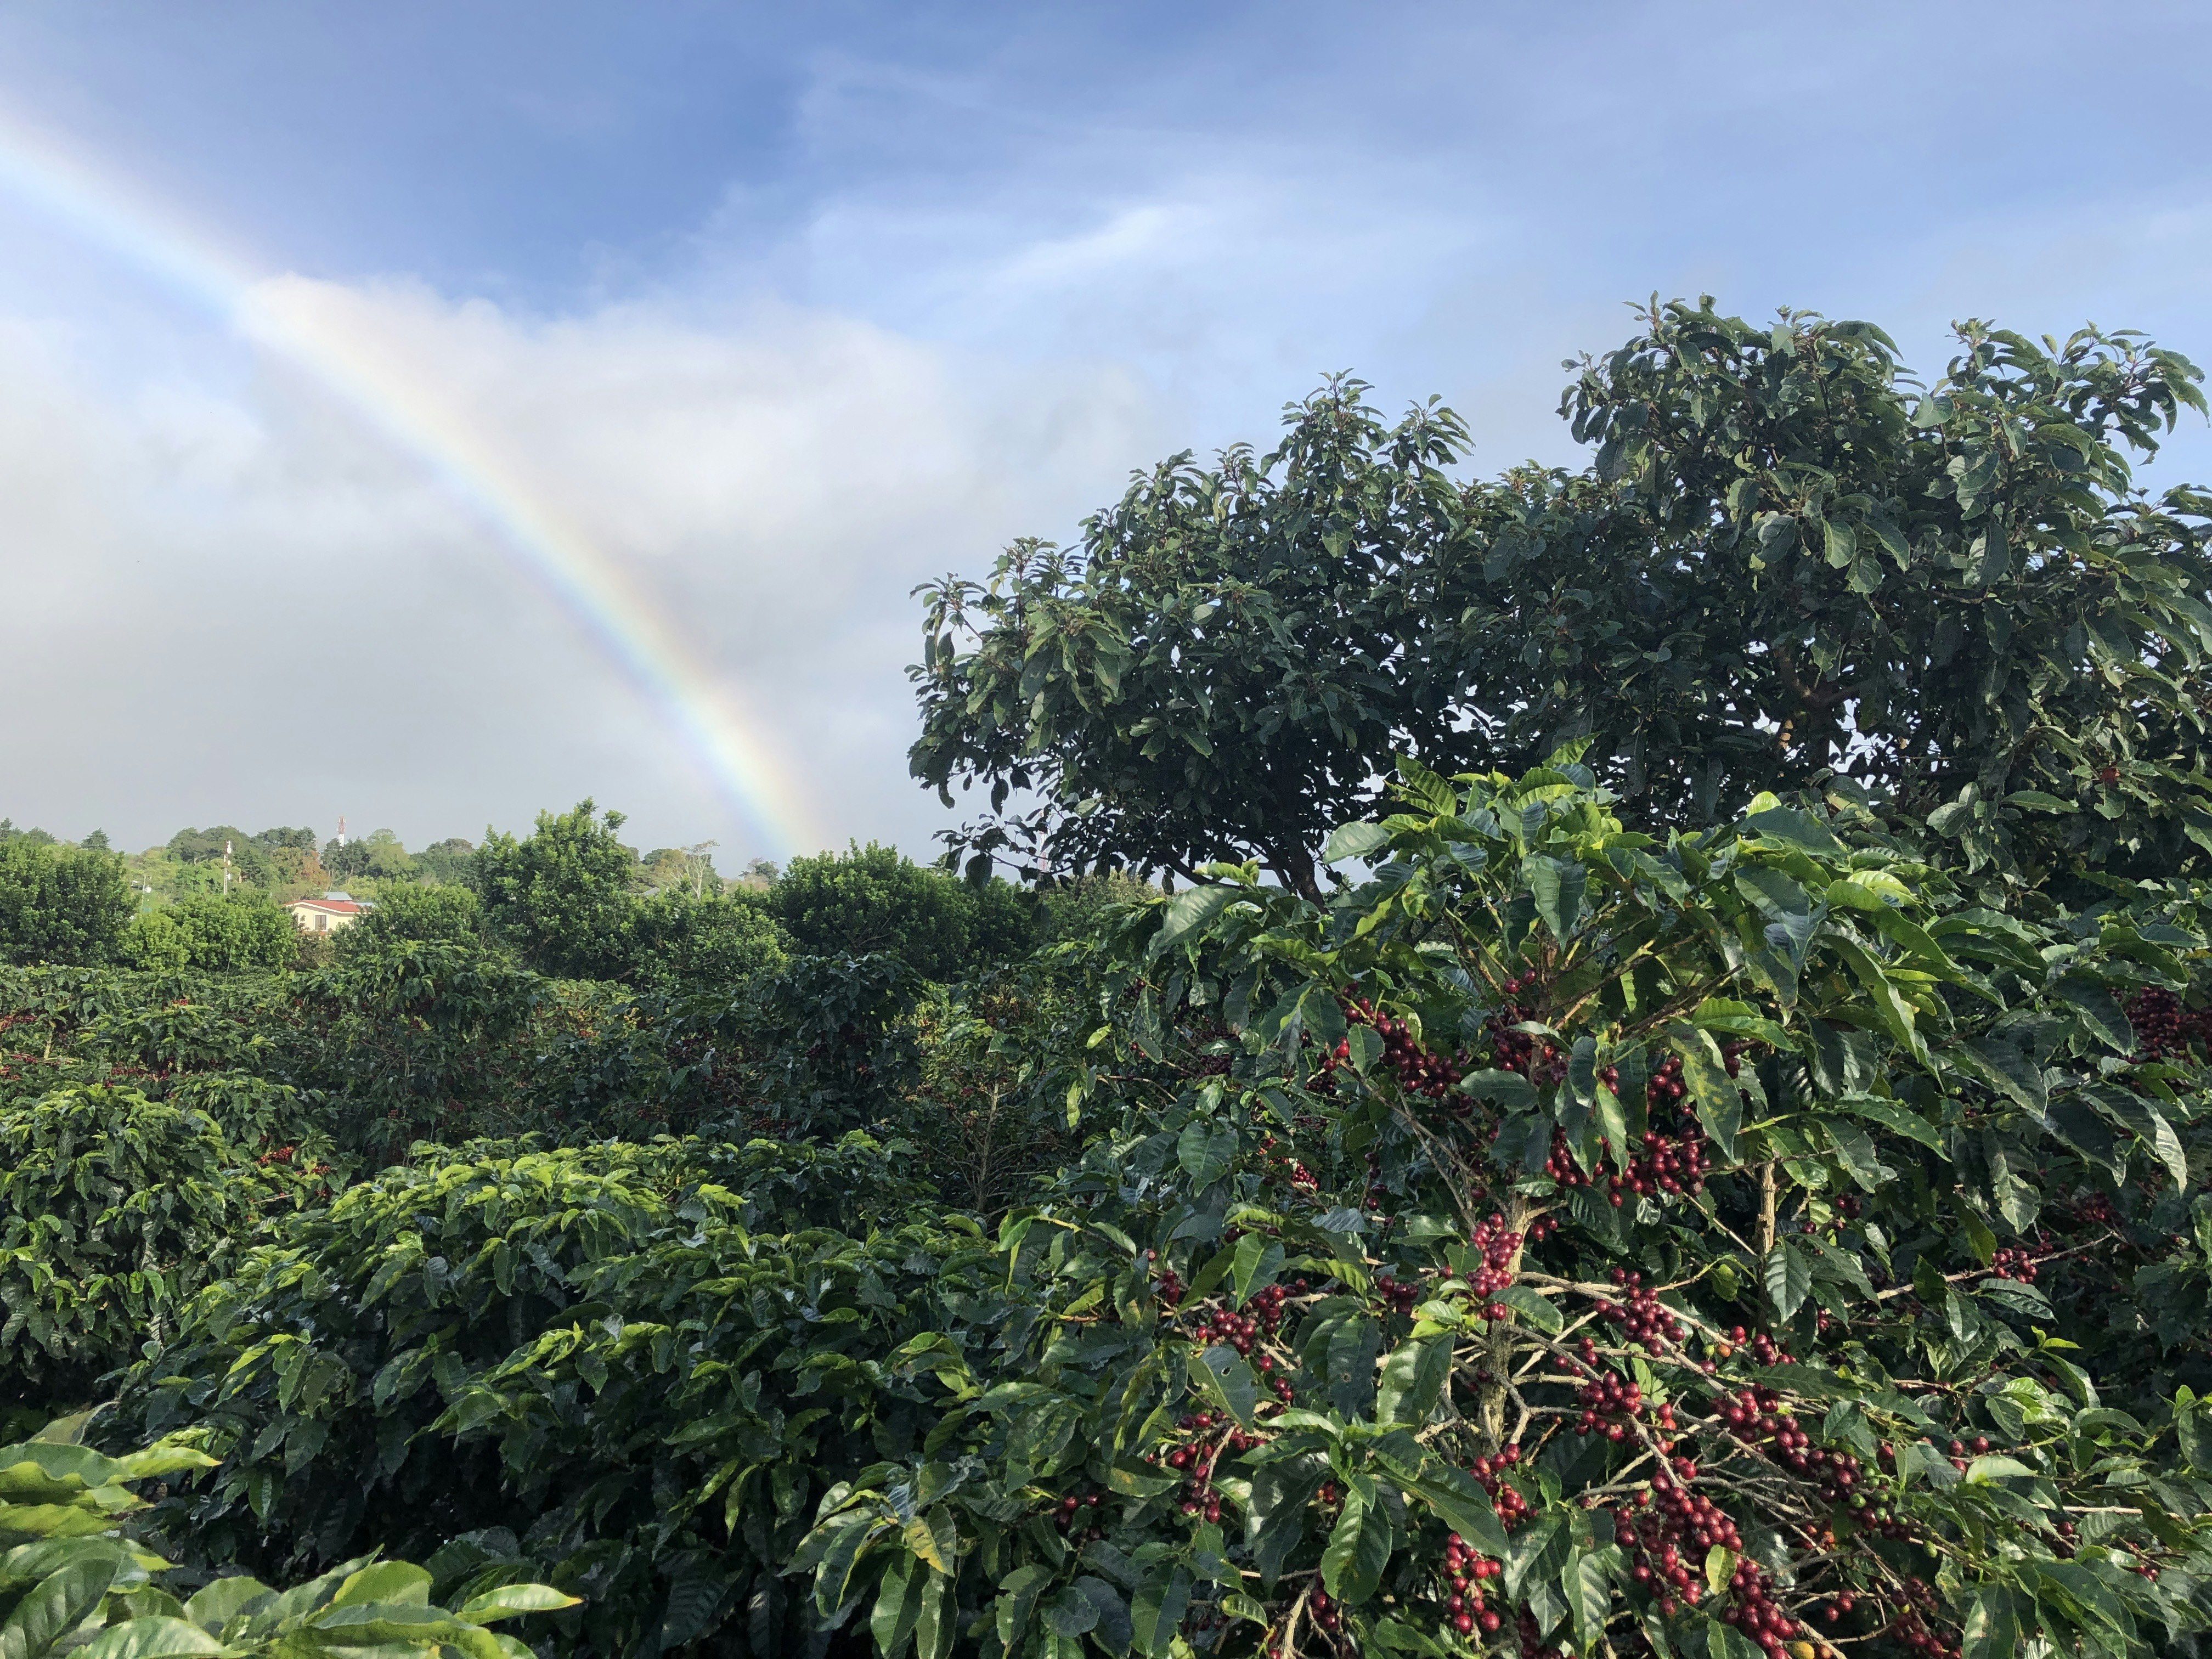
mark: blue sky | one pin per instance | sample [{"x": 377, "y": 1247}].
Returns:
[{"x": 794, "y": 306}]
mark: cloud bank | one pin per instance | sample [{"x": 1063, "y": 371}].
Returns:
[{"x": 246, "y": 604}]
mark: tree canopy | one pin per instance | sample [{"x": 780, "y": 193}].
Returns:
[
  {"x": 1787, "y": 566},
  {"x": 561, "y": 895},
  {"x": 60, "y": 904},
  {"x": 872, "y": 899}
]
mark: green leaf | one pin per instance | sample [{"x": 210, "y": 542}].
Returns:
[
  {"x": 1588, "y": 1582},
  {"x": 1507, "y": 1089},
  {"x": 149, "y": 1638},
  {"x": 1538, "y": 1551},
  {"x": 1557, "y": 885},
  {"x": 1461, "y": 1505},
  {"x": 511, "y": 1602},
  {"x": 218, "y": 1603},
  {"x": 1017, "y": 1601},
  {"x": 1227, "y": 1377},
  {"x": 1205, "y": 1149},
  {"x": 1353, "y": 841},
  {"x": 1992, "y": 1626},
  {"x": 1156, "y": 1611},
  {"x": 385, "y": 1581},
  {"x": 892, "y": 1621},
  {"x": 1892, "y": 1115},
  {"x": 59, "y": 1603},
  {"x": 1532, "y": 1306},
  {"x": 934, "y": 1626},
  {"x": 1413, "y": 1378},
  {"x": 1255, "y": 1265},
  {"x": 1190, "y": 911},
  {"x": 1719, "y": 1096},
  {"x": 1359, "y": 1549},
  {"x": 1114, "y": 1627},
  {"x": 1789, "y": 1279},
  {"x": 1071, "y": 1612}
]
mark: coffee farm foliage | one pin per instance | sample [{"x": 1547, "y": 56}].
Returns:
[
  {"x": 1759, "y": 1244},
  {"x": 74, "y": 1580}
]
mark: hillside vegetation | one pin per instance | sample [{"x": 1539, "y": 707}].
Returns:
[{"x": 1604, "y": 1063}]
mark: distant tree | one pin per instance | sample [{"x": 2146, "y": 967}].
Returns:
[
  {"x": 419, "y": 913},
  {"x": 96, "y": 841},
  {"x": 377, "y": 856},
  {"x": 722, "y": 940},
  {"x": 452, "y": 861},
  {"x": 241, "y": 932},
  {"x": 760, "y": 873},
  {"x": 60, "y": 905},
  {"x": 249, "y": 861},
  {"x": 299, "y": 866},
  {"x": 561, "y": 896},
  {"x": 269, "y": 841},
  {"x": 872, "y": 899}
]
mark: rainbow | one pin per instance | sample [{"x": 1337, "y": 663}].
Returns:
[{"x": 403, "y": 402}]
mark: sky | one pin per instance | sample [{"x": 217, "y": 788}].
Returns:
[{"x": 436, "y": 413}]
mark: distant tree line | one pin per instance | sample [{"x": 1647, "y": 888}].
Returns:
[{"x": 570, "y": 900}]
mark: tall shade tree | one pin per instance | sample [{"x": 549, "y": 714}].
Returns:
[
  {"x": 561, "y": 896},
  {"x": 1788, "y": 564}
]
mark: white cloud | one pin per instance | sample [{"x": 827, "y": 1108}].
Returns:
[{"x": 263, "y": 610}]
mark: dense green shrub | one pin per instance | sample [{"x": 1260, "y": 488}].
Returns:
[
  {"x": 582, "y": 1346},
  {"x": 74, "y": 1580},
  {"x": 417, "y": 913},
  {"x": 562, "y": 896},
  {"x": 869, "y": 900},
  {"x": 114, "y": 1211},
  {"x": 1388, "y": 1205},
  {"x": 60, "y": 904},
  {"x": 242, "y": 931},
  {"x": 718, "y": 943}
]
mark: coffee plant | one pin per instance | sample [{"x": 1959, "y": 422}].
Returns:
[{"x": 74, "y": 1579}]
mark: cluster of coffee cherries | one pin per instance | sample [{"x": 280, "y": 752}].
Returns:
[
  {"x": 1532, "y": 1644},
  {"x": 1665, "y": 1086},
  {"x": 2164, "y": 1029},
  {"x": 1670, "y": 1519},
  {"x": 1499, "y": 1245},
  {"x": 1466, "y": 1570},
  {"x": 1280, "y": 1165},
  {"x": 2097, "y": 1209},
  {"x": 1533, "y": 1057},
  {"x": 1077, "y": 1516},
  {"x": 1911, "y": 1626},
  {"x": 1323, "y": 1611},
  {"x": 1560, "y": 1163},
  {"x": 1609, "y": 1402},
  {"x": 1419, "y": 1071},
  {"x": 1200, "y": 1497},
  {"x": 1262, "y": 1318},
  {"x": 1765, "y": 1350},
  {"x": 1170, "y": 1282},
  {"x": 1662, "y": 1164},
  {"x": 2013, "y": 1264},
  {"x": 1755, "y": 1416},
  {"x": 1665, "y": 1163},
  {"x": 1642, "y": 1318},
  {"x": 1960, "y": 1451},
  {"x": 1401, "y": 1296},
  {"x": 1489, "y": 1473},
  {"x": 1753, "y": 1609}
]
